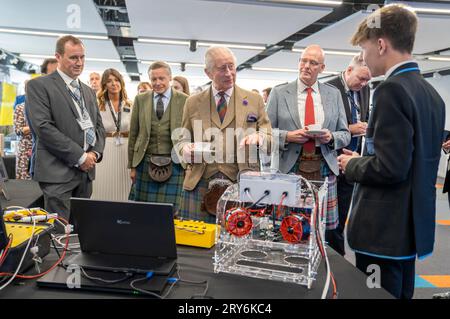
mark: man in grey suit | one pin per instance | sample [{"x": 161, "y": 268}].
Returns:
[
  {"x": 69, "y": 132},
  {"x": 309, "y": 120},
  {"x": 352, "y": 83}
]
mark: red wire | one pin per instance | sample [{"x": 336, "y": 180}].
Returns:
[
  {"x": 319, "y": 244},
  {"x": 5, "y": 252},
  {"x": 50, "y": 269},
  {"x": 280, "y": 205}
]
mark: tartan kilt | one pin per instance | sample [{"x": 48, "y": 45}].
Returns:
[
  {"x": 331, "y": 211},
  {"x": 191, "y": 202},
  {"x": 147, "y": 190}
]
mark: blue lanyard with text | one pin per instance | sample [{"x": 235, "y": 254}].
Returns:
[{"x": 74, "y": 97}]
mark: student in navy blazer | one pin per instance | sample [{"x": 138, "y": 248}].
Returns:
[{"x": 393, "y": 214}]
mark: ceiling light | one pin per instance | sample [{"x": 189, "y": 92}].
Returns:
[
  {"x": 317, "y": 2},
  {"x": 103, "y": 60},
  {"x": 195, "y": 65},
  {"x": 330, "y": 52},
  {"x": 432, "y": 8},
  {"x": 53, "y": 34},
  {"x": 233, "y": 45},
  {"x": 169, "y": 63},
  {"x": 275, "y": 69},
  {"x": 40, "y": 56},
  {"x": 439, "y": 58},
  {"x": 162, "y": 41},
  {"x": 286, "y": 70},
  {"x": 203, "y": 43}
]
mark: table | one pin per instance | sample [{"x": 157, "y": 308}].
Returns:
[
  {"x": 23, "y": 193},
  {"x": 196, "y": 265}
]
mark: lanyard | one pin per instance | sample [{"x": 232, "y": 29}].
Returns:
[
  {"x": 79, "y": 101},
  {"x": 117, "y": 121},
  {"x": 406, "y": 70}
]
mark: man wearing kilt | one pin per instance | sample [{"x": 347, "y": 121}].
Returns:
[
  {"x": 234, "y": 121},
  {"x": 309, "y": 122},
  {"x": 155, "y": 115}
]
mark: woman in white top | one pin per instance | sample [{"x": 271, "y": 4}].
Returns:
[{"x": 112, "y": 180}]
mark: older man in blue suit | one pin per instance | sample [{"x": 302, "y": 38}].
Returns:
[{"x": 309, "y": 119}]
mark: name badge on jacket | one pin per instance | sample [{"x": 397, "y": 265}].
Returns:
[{"x": 85, "y": 124}]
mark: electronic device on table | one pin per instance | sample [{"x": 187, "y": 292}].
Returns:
[
  {"x": 271, "y": 226},
  {"x": 135, "y": 237},
  {"x": 19, "y": 238}
]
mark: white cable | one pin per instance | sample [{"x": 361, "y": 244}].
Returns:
[
  {"x": 327, "y": 283},
  {"x": 101, "y": 279},
  {"x": 247, "y": 192},
  {"x": 59, "y": 239},
  {"x": 22, "y": 259}
]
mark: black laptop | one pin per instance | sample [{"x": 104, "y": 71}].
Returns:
[{"x": 131, "y": 237}]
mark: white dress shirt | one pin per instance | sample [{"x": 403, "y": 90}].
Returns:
[
  {"x": 216, "y": 95},
  {"x": 166, "y": 99},
  {"x": 317, "y": 100}
]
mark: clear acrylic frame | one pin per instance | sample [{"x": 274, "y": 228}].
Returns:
[{"x": 256, "y": 242}]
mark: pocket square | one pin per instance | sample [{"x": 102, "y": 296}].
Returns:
[{"x": 252, "y": 117}]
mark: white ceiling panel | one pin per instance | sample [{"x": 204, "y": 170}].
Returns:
[
  {"x": 280, "y": 77},
  {"x": 71, "y": 16},
  {"x": 42, "y": 45},
  {"x": 180, "y": 53},
  {"x": 336, "y": 36},
  {"x": 432, "y": 65},
  {"x": 432, "y": 33},
  {"x": 219, "y": 21}
]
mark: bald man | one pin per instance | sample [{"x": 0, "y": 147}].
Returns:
[
  {"x": 352, "y": 83},
  {"x": 303, "y": 106}
]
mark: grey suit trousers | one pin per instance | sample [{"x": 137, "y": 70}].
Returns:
[{"x": 57, "y": 195}]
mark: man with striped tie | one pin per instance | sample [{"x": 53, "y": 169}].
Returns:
[
  {"x": 69, "y": 132},
  {"x": 233, "y": 120},
  {"x": 352, "y": 83}
]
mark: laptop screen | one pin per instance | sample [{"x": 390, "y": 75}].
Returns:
[{"x": 124, "y": 228}]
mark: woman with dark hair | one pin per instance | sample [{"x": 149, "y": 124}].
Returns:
[
  {"x": 181, "y": 84},
  {"x": 112, "y": 180}
]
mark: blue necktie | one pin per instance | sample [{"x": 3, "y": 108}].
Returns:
[{"x": 354, "y": 141}]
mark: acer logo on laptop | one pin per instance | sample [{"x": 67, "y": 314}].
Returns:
[{"x": 123, "y": 222}]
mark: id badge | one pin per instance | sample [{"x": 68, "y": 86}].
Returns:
[
  {"x": 85, "y": 124},
  {"x": 118, "y": 140}
]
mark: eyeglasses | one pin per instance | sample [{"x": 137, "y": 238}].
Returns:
[
  {"x": 226, "y": 67},
  {"x": 311, "y": 62}
]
